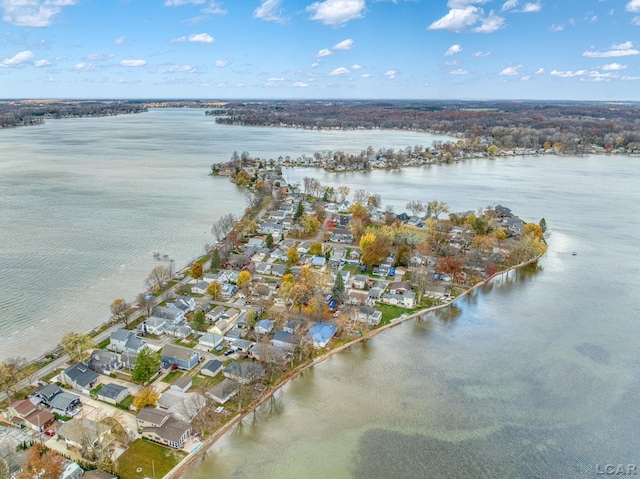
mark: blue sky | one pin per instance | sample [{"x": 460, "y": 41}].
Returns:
[{"x": 360, "y": 49}]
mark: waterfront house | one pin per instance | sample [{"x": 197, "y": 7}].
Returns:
[
  {"x": 285, "y": 340},
  {"x": 103, "y": 361},
  {"x": 244, "y": 373},
  {"x": 79, "y": 377},
  {"x": 112, "y": 393},
  {"x": 369, "y": 316},
  {"x": 269, "y": 353},
  {"x": 171, "y": 315},
  {"x": 400, "y": 287},
  {"x": 162, "y": 427},
  {"x": 321, "y": 334},
  {"x": 178, "y": 356},
  {"x": 223, "y": 391},
  {"x": 182, "y": 405},
  {"x": 211, "y": 368}
]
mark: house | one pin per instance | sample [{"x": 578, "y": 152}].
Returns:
[
  {"x": 182, "y": 405},
  {"x": 39, "y": 420},
  {"x": 154, "y": 326},
  {"x": 184, "y": 303},
  {"x": 321, "y": 334},
  {"x": 200, "y": 287},
  {"x": 112, "y": 393},
  {"x": 269, "y": 353},
  {"x": 71, "y": 470},
  {"x": 228, "y": 290},
  {"x": 360, "y": 281},
  {"x": 171, "y": 315},
  {"x": 285, "y": 340},
  {"x": 211, "y": 277},
  {"x": 210, "y": 340},
  {"x": 235, "y": 334},
  {"x": 369, "y": 316},
  {"x": 292, "y": 325},
  {"x": 409, "y": 299},
  {"x": 79, "y": 377},
  {"x": 264, "y": 326},
  {"x": 215, "y": 313},
  {"x": 357, "y": 297},
  {"x": 241, "y": 345},
  {"x": 26, "y": 413},
  {"x": 341, "y": 235},
  {"x": 223, "y": 391},
  {"x": 211, "y": 368},
  {"x": 256, "y": 242},
  {"x": 82, "y": 434},
  {"x": 375, "y": 293},
  {"x": 263, "y": 268},
  {"x": 318, "y": 261},
  {"x": 46, "y": 393},
  {"x": 65, "y": 404},
  {"x": 162, "y": 427},
  {"x": 182, "y": 384},
  {"x": 178, "y": 330},
  {"x": 400, "y": 287},
  {"x": 243, "y": 373},
  {"x": 181, "y": 357},
  {"x": 20, "y": 409},
  {"x": 103, "y": 361},
  {"x": 242, "y": 322},
  {"x": 118, "y": 339},
  {"x": 303, "y": 247}
]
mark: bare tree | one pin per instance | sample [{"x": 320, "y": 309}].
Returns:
[
  {"x": 343, "y": 192},
  {"x": 121, "y": 310},
  {"x": 145, "y": 303},
  {"x": 360, "y": 196},
  {"x": 415, "y": 207},
  {"x": 157, "y": 276}
]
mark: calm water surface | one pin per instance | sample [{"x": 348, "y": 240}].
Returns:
[
  {"x": 84, "y": 204},
  {"x": 535, "y": 376}
]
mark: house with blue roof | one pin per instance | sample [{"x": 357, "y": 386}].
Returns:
[{"x": 321, "y": 334}]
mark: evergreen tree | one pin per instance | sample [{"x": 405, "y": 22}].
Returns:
[
  {"x": 269, "y": 241},
  {"x": 338, "y": 288},
  {"x": 299, "y": 212},
  {"x": 215, "y": 259}
]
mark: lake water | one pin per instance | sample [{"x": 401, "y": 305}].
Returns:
[
  {"x": 84, "y": 204},
  {"x": 537, "y": 375}
]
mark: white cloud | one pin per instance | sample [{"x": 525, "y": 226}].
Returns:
[
  {"x": 300, "y": 84},
  {"x": 41, "y": 63},
  {"x": 617, "y": 50},
  {"x": 32, "y": 13},
  {"x": 179, "y": 3},
  {"x": 457, "y": 19},
  {"x": 195, "y": 38},
  {"x": 452, "y": 50},
  {"x": 556, "y": 28},
  {"x": 221, "y": 63},
  {"x": 344, "y": 45},
  {"x": 214, "y": 8},
  {"x": 315, "y": 64},
  {"x": 356, "y": 67},
  {"x": 17, "y": 59},
  {"x": 636, "y": 21},
  {"x": 511, "y": 71},
  {"x": 481, "y": 54},
  {"x": 86, "y": 67},
  {"x": 633, "y": 6},
  {"x": 525, "y": 78},
  {"x": 509, "y": 5},
  {"x": 365, "y": 75},
  {"x": 464, "y": 3},
  {"x": 133, "y": 63},
  {"x": 180, "y": 69},
  {"x": 614, "y": 67},
  {"x": 120, "y": 40},
  {"x": 568, "y": 73},
  {"x": 459, "y": 71},
  {"x": 339, "y": 71},
  {"x": 269, "y": 10},
  {"x": 96, "y": 57},
  {"x": 325, "y": 52},
  {"x": 336, "y": 12},
  {"x": 540, "y": 71},
  {"x": 490, "y": 24},
  {"x": 531, "y": 7},
  {"x": 390, "y": 74},
  {"x": 628, "y": 78}
]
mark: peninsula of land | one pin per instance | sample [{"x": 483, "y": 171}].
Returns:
[{"x": 307, "y": 271}]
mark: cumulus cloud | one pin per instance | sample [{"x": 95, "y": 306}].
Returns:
[
  {"x": 390, "y": 74},
  {"x": 180, "y": 69},
  {"x": 133, "y": 63},
  {"x": 33, "y": 13},
  {"x": 633, "y": 6},
  {"x": 489, "y": 24},
  {"x": 585, "y": 75},
  {"x": 365, "y": 75},
  {"x": 356, "y": 67},
  {"x": 556, "y": 28},
  {"x": 336, "y": 12},
  {"x": 481, "y": 54},
  {"x": 42, "y": 63},
  {"x": 509, "y": 5},
  {"x": 339, "y": 71},
  {"x": 221, "y": 63},
  {"x": 540, "y": 71},
  {"x": 531, "y": 7},
  {"x": 511, "y": 71},
  {"x": 86, "y": 67},
  {"x": 452, "y": 50},
  {"x": 464, "y": 14},
  {"x": 614, "y": 67},
  {"x": 195, "y": 38},
  {"x": 344, "y": 45},
  {"x": 17, "y": 59},
  {"x": 96, "y": 57},
  {"x": 120, "y": 40},
  {"x": 300, "y": 84},
  {"x": 617, "y": 50},
  {"x": 315, "y": 64},
  {"x": 459, "y": 71},
  {"x": 269, "y": 10},
  {"x": 325, "y": 52}
]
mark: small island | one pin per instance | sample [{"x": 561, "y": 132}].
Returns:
[{"x": 307, "y": 271}]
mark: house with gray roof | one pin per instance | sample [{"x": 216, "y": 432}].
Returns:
[
  {"x": 285, "y": 340},
  {"x": 126, "y": 340},
  {"x": 79, "y": 377},
  {"x": 153, "y": 325},
  {"x": 215, "y": 313},
  {"x": 103, "y": 361},
  {"x": 264, "y": 326},
  {"x": 210, "y": 340},
  {"x": 244, "y": 373},
  {"x": 181, "y": 357},
  {"x": 112, "y": 393},
  {"x": 223, "y": 391},
  {"x": 211, "y": 368},
  {"x": 182, "y": 384},
  {"x": 65, "y": 404},
  {"x": 278, "y": 269},
  {"x": 200, "y": 287},
  {"x": 161, "y": 427},
  {"x": 169, "y": 314}
]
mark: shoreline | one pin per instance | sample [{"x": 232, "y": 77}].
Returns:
[{"x": 188, "y": 461}]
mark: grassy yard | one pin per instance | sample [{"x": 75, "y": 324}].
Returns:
[
  {"x": 172, "y": 376},
  {"x": 389, "y": 312},
  {"x": 146, "y": 459}
]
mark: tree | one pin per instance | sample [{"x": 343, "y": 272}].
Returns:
[
  {"x": 10, "y": 374},
  {"x": 374, "y": 201},
  {"x": 196, "y": 270},
  {"x": 436, "y": 208},
  {"x": 199, "y": 322},
  {"x": 343, "y": 192},
  {"x": 533, "y": 230},
  {"x": 360, "y": 196},
  {"x": 415, "y": 207},
  {"x": 338, "y": 288},
  {"x": 146, "y": 397},
  {"x": 374, "y": 253},
  {"x": 41, "y": 462},
  {"x": 310, "y": 224},
  {"x": 269, "y": 241},
  {"x": 76, "y": 345},
  {"x": 215, "y": 259},
  {"x": 222, "y": 226},
  {"x": 403, "y": 258},
  {"x": 147, "y": 364},
  {"x": 315, "y": 249},
  {"x": 158, "y": 275},
  {"x": 244, "y": 278},
  {"x": 214, "y": 289},
  {"x": 449, "y": 265},
  {"x": 121, "y": 310},
  {"x": 366, "y": 240},
  {"x": 543, "y": 225},
  {"x": 299, "y": 211},
  {"x": 145, "y": 303},
  {"x": 292, "y": 256}
]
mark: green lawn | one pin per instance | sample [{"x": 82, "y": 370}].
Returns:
[
  {"x": 172, "y": 376},
  {"x": 389, "y": 312},
  {"x": 146, "y": 459}
]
